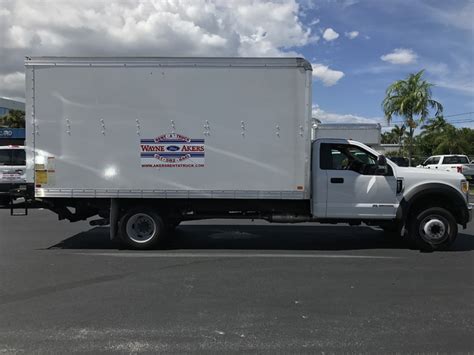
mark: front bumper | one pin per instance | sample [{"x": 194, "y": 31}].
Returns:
[
  {"x": 466, "y": 215},
  {"x": 17, "y": 189},
  {"x": 8, "y": 186}
]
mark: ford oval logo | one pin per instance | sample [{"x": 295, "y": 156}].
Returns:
[{"x": 172, "y": 148}]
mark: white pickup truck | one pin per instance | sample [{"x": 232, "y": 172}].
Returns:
[{"x": 454, "y": 163}]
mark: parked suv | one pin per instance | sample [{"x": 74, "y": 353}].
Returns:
[{"x": 12, "y": 170}]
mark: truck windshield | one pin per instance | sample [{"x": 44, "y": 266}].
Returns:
[
  {"x": 456, "y": 160},
  {"x": 18, "y": 157},
  {"x": 12, "y": 157},
  {"x": 5, "y": 157}
]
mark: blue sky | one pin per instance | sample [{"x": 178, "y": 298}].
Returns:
[
  {"x": 357, "y": 47},
  {"x": 438, "y": 34}
]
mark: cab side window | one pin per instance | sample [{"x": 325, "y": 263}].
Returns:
[{"x": 349, "y": 157}]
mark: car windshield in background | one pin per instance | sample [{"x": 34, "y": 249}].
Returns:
[
  {"x": 18, "y": 157},
  {"x": 12, "y": 157},
  {"x": 5, "y": 157},
  {"x": 455, "y": 160}
]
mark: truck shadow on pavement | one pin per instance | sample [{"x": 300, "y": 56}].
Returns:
[{"x": 274, "y": 237}]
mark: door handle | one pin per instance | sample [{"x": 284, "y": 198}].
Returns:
[{"x": 337, "y": 180}]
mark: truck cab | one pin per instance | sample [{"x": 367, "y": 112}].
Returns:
[{"x": 353, "y": 182}]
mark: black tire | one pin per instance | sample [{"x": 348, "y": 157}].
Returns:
[
  {"x": 441, "y": 226},
  {"x": 142, "y": 228}
]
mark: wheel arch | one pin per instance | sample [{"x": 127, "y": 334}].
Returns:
[{"x": 433, "y": 195}]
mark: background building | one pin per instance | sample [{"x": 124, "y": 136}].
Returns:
[
  {"x": 11, "y": 136},
  {"x": 7, "y": 104}
]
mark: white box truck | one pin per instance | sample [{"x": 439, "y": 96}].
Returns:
[{"x": 146, "y": 143}]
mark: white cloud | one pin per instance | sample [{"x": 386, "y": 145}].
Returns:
[
  {"x": 328, "y": 76},
  {"x": 352, "y": 34},
  {"x": 463, "y": 85},
  {"x": 458, "y": 15},
  {"x": 12, "y": 83},
  {"x": 330, "y": 35},
  {"x": 400, "y": 56},
  {"x": 327, "y": 117},
  {"x": 347, "y": 3},
  {"x": 154, "y": 28}
]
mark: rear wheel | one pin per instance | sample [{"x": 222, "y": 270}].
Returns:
[
  {"x": 433, "y": 229},
  {"x": 142, "y": 228}
]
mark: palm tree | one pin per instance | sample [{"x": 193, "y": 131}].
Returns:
[
  {"x": 388, "y": 138},
  {"x": 398, "y": 132},
  {"x": 411, "y": 100},
  {"x": 435, "y": 125},
  {"x": 451, "y": 141}
]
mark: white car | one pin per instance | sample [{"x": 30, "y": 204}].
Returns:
[
  {"x": 455, "y": 163},
  {"x": 12, "y": 170}
]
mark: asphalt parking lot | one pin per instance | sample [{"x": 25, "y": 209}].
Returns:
[{"x": 230, "y": 286}]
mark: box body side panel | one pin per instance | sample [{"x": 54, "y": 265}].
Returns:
[{"x": 136, "y": 130}]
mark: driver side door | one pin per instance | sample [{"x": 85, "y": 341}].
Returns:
[{"x": 355, "y": 186}]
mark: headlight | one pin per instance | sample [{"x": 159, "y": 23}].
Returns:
[{"x": 465, "y": 186}]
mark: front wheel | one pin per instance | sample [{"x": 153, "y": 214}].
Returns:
[
  {"x": 142, "y": 228},
  {"x": 433, "y": 229}
]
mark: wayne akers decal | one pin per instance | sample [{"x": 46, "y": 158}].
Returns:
[{"x": 172, "y": 150}]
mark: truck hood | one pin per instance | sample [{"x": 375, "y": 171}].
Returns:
[{"x": 428, "y": 173}]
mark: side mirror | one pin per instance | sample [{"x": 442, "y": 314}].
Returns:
[
  {"x": 381, "y": 161},
  {"x": 382, "y": 165}
]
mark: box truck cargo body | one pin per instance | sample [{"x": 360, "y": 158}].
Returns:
[
  {"x": 194, "y": 128},
  {"x": 145, "y": 143}
]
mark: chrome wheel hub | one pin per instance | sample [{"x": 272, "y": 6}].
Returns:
[
  {"x": 141, "y": 228},
  {"x": 434, "y": 229}
]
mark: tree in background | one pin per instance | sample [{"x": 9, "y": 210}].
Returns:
[
  {"x": 388, "y": 138},
  {"x": 13, "y": 119},
  {"x": 425, "y": 142},
  {"x": 452, "y": 141},
  {"x": 411, "y": 100},
  {"x": 395, "y": 136},
  {"x": 435, "y": 125},
  {"x": 398, "y": 132}
]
